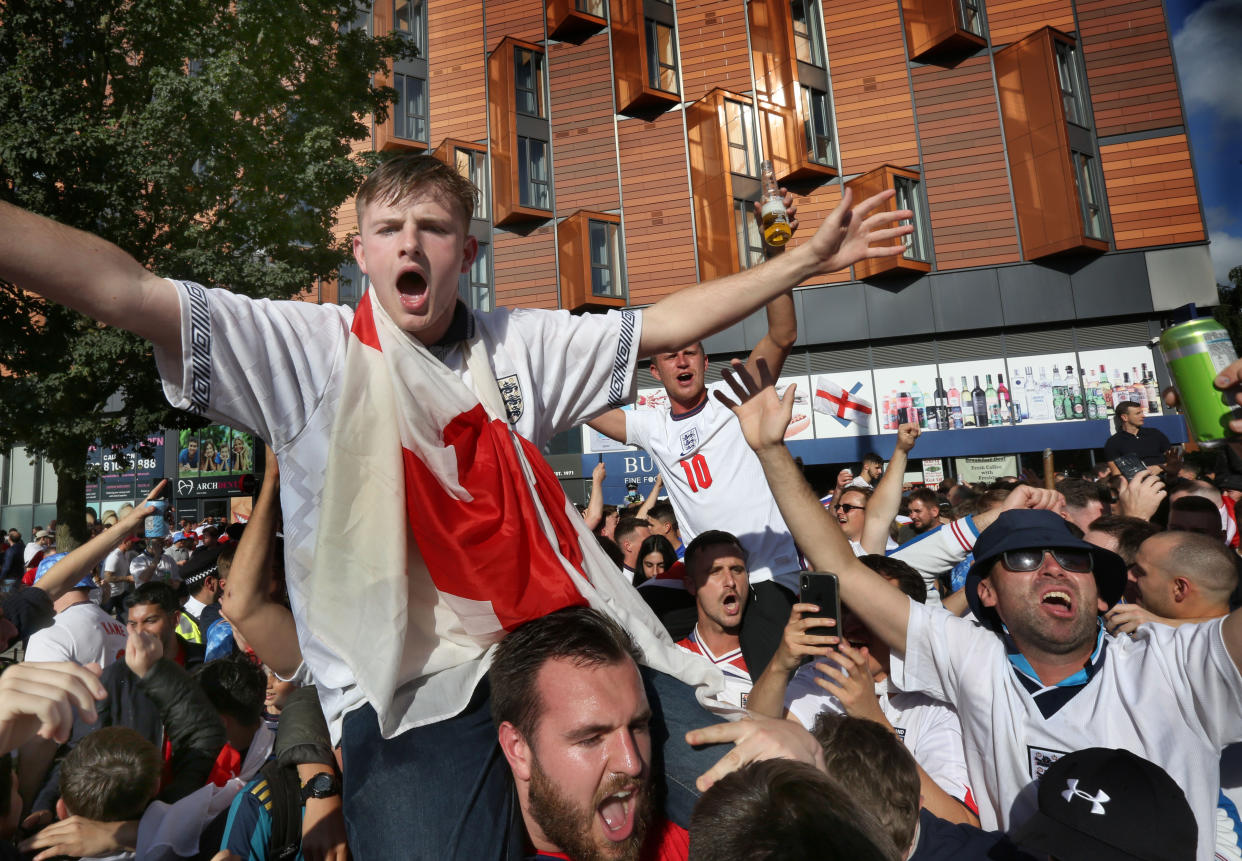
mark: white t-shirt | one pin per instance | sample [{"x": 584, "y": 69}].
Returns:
[
  {"x": 81, "y": 633},
  {"x": 164, "y": 571},
  {"x": 117, "y": 564},
  {"x": 1171, "y": 695},
  {"x": 275, "y": 369},
  {"x": 714, "y": 481},
  {"x": 929, "y": 729},
  {"x": 737, "y": 681}
]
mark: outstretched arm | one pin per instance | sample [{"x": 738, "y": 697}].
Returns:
[
  {"x": 88, "y": 274},
  {"x": 81, "y": 560},
  {"x": 595, "y": 505},
  {"x": 763, "y": 418},
  {"x": 884, "y": 503},
  {"x": 652, "y": 497},
  {"x": 267, "y": 626},
  {"x": 782, "y": 319},
  {"x": 845, "y": 237}
]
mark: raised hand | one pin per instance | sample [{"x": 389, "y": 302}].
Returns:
[
  {"x": 1140, "y": 496},
  {"x": 40, "y": 699},
  {"x": 850, "y": 235},
  {"x": 1025, "y": 496},
  {"x": 755, "y": 739},
  {"x": 763, "y": 416},
  {"x": 847, "y": 676},
  {"x": 796, "y": 643},
  {"x": 907, "y": 435},
  {"x": 142, "y": 650}
]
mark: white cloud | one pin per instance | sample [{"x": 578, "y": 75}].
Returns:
[
  {"x": 1226, "y": 252},
  {"x": 1209, "y": 58}
]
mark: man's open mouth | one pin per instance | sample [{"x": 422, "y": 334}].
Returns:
[
  {"x": 616, "y": 812},
  {"x": 732, "y": 606},
  {"x": 411, "y": 282},
  {"x": 1058, "y": 602}
]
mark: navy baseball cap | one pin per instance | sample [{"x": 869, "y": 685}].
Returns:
[
  {"x": 1109, "y": 805},
  {"x": 86, "y": 582},
  {"x": 1026, "y": 529}
]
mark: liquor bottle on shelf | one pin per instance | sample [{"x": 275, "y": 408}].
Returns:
[
  {"x": 979, "y": 402},
  {"x": 968, "y": 406},
  {"x": 1017, "y": 394},
  {"x": 940, "y": 401},
  {"x": 919, "y": 404},
  {"x": 890, "y": 418},
  {"x": 1040, "y": 397},
  {"x": 1080, "y": 407},
  {"x": 1029, "y": 389},
  {"x": 994, "y": 416},
  {"x": 905, "y": 405},
  {"x": 1138, "y": 392},
  {"x": 1089, "y": 407},
  {"x": 1153, "y": 390},
  {"x": 955, "y": 406},
  {"x": 886, "y": 404},
  {"x": 1106, "y": 389},
  {"x": 1120, "y": 392},
  {"x": 773, "y": 217},
  {"x": 1060, "y": 413},
  {"x": 1006, "y": 402}
]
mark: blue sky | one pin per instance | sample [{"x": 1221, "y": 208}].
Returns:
[{"x": 1207, "y": 46}]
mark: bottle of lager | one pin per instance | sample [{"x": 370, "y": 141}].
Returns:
[{"x": 773, "y": 219}]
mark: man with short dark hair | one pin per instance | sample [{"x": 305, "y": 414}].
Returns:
[
  {"x": 1120, "y": 534},
  {"x": 870, "y": 471},
  {"x": 663, "y": 521},
  {"x": 1083, "y": 503},
  {"x": 82, "y": 632},
  {"x": 201, "y": 575},
  {"x": 12, "y": 566},
  {"x": 1148, "y": 444},
  {"x": 112, "y": 775},
  {"x": 1036, "y": 676},
  {"x": 924, "y": 512},
  {"x": 630, "y": 534},
  {"x": 717, "y": 577},
  {"x": 572, "y": 718}
]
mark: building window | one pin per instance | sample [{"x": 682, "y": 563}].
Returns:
[
  {"x": 533, "y": 182},
  {"x": 808, "y": 36},
  {"x": 409, "y": 114},
  {"x": 817, "y": 109},
  {"x": 598, "y": 8},
  {"x": 910, "y": 196},
  {"x": 605, "y": 259},
  {"x": 470, "y": 164},
  {"x": 970, "y": 13},
  {"x": 1087, "y": 177},
  {"x": 351, "y": 285},
  {"x": 528, "y": 82},
  {"x": 1071, "y": 84},
  {"x": 474, "y": 287},
  {"x": 409, "y": 18},
  {"x": 740, "y": 127},
  {"x": 661, "y": 57},
  {"x": 749, "y": 237}
]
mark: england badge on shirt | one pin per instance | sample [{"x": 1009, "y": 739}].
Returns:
[
  {"x": 1041, "y": 758},
  {"x": 689, "y": 440},
  {"x": 511, "y": 394}
]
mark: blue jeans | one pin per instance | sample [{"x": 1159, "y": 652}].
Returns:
[{"x": 445, "y": 791}]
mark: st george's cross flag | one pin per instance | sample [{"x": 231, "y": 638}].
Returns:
[{"x": 843, "y": 404}]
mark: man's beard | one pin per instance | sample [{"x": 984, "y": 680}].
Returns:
[{"x": 572, "y": 828}]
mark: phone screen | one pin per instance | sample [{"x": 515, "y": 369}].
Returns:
[{"x": 823, "y": 590}]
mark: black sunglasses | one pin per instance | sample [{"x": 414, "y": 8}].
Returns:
[
  {"x": 1077, "y": 561},
  {"x": 847, "y": 508}
]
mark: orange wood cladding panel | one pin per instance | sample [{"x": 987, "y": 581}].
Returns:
[
  {"x": 573, "y": 241},
  {"x": 711, "y": 38},
  {"x": 964, "y": 173},
  {"x": 566, "y": 22},
  {"x": 1044, "y": 188},
  {"x": 714, "y": 220},
  {"x": 772, "y": 52},
  {"x": 521, "y": 19},
  {"x": 524, "y": 268},
  {"x": 1012, "y": 20},
  {"x": 932, "y": 26},
  {"x": 1151, "y": 192},
  {"x": 456, "y": 70},
  {"x": 875, "y": 117},
  {"x": 871, "y": 183},
  {"x": 659, "y": 240},
  {"x": 1129, "y": 65},
  {"x": 384, "y": 139},
  {"x": 813, "y": 208},
  {"x": 583, "y": 142},
  {"x": 506, "y": 196}
]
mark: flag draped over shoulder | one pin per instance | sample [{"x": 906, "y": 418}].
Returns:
[{"x": 441, "y": 529}]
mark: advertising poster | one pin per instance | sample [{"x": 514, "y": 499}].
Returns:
[
  {"x": 903, "y": 395},
  {"x": 843, "y": 404},
  {"x": 800, "y": 423},
  {"x": 980, "y": 389},
  {"x": 216, "y": 450},
  {"x": 984, "y": 470},
  {"x": 1044, "y": 394},
  {"x": 933, "y": 471},
  {"x": 1123, "y": 374}
]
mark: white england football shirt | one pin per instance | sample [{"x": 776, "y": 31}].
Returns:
[
  {"x": 737, "y": 681},
  {"x": 275, "y": 369},
  {"x": 1171, "y": 695},
  {"x": 929, "y": 729},
  {"x": 82, "y": 633},
  {"x": 714, "y": 481}
]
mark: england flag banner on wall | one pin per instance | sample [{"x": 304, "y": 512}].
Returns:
[{"x": 845, "y": 405}]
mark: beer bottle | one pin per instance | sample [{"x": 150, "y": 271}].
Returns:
[{"x": 773, "y": 219}]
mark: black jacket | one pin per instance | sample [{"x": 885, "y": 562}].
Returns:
[{"x": 164, "y": 701}]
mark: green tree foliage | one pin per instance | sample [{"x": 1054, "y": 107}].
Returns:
[
  {"x": 209, "y": 139},
  {"x": 1229, "y": 312}
]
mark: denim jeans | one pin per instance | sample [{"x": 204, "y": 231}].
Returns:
[{"x": 445, "y": 791}]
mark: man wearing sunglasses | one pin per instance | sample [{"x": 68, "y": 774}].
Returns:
[{"x": 1036, "y": 676}]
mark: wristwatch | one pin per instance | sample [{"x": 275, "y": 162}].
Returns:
[{"x": 322, "y": 785}]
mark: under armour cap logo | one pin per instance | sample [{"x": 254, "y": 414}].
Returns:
[{"x": 1097, "y": 800}]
